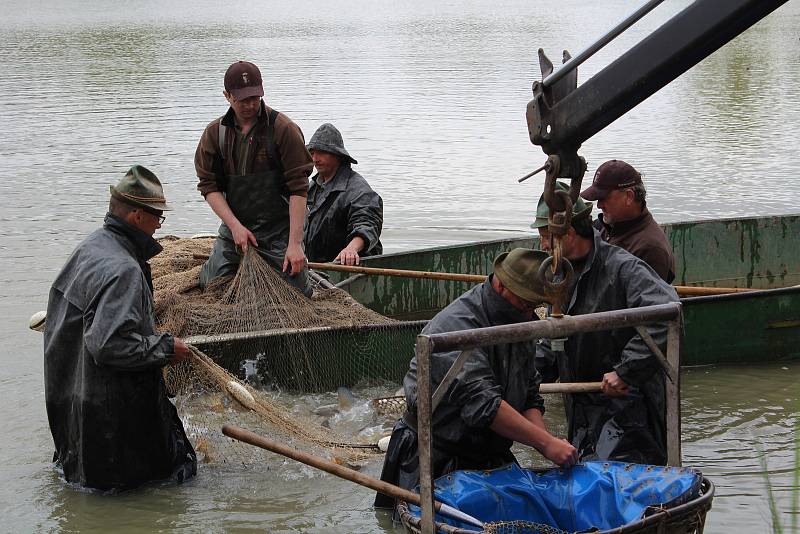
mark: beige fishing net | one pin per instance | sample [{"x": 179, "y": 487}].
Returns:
[{"x": 268, "y": 359}]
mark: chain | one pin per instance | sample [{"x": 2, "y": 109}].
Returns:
[{"x": 556, "y": 272}]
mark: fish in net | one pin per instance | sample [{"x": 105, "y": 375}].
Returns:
[{"x": 260, "y": 349}]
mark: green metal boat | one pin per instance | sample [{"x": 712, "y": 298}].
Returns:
[
  {"x": 757, "y": 326},
  {"x": 759, "y": 252}
]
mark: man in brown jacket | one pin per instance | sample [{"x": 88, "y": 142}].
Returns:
[
  {"x": 625, "y": 222},
  {"x": 253, "y": 168}
]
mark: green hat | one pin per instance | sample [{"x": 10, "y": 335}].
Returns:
[
  {"x": 140, "y": 187},
  {"x": 518, "y": 269},
  {"x": 580, "y": 209}
]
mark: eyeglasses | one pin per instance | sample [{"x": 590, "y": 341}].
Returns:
[{"x": 160, "y": 217}]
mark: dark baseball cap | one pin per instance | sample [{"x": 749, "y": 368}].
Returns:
[
  {"x": 611, "y": 175},
  {"x": 243, "y": 80}
]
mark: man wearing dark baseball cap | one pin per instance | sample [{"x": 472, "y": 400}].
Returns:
[
  {"x": 626, "y": 222},
  {"x": 243, "y": 80},
  {"x": 253, "y": 168},
  {"x": 495, "y": 399}
]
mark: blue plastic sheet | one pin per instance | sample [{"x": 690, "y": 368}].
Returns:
[{"x": 592, "y": 495}]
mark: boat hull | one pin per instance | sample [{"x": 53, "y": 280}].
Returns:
[
  {"x": 759, "y": 253},
  {"x": 754, "y": 327}
]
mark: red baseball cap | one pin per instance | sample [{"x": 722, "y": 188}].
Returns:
[
  {"x": 243, "y": 80},
  {"x": 611, "y": 175}
]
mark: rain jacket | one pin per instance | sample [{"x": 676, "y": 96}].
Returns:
[
  {"x": 630, "y": 428},
  {"x": 643, "y": 238},
  {"x": 340, "y": 210},
  {"x": 462, "y": 438},
  {"x": 112, "y": 423}
]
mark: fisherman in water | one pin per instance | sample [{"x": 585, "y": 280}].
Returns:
[
  {"x": 253, "y": 168},
  {"x": 627, "y": 421},
  {"x": 113, "y": 426},
  {"x": 495, "y": 399}
]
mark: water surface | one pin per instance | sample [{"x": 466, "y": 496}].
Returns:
[{"x": 431, "y": 99}]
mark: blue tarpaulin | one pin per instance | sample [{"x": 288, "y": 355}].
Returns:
[{"x": 592, "y": 495}]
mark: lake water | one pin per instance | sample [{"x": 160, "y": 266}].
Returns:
[{"x": 430, "y": 98}]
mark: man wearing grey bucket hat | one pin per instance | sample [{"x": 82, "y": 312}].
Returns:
[
  {"x": 345, "y": 215},
  {"x": 253, "y": 168},
  {"x": 494, "y": 401},
  {"x": 112, "y": 423}
]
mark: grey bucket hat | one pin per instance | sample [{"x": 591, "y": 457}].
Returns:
[
  {"x": 140, "y": 187},
  {"x": 328, "y": 139}
]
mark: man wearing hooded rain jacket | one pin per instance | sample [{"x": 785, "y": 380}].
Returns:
[
  {"x": 345, "y": 215},
  {"x": 494, "y": 401},
  {"x": 113, "y": 425},
  {"x": 627, "y": 421}
]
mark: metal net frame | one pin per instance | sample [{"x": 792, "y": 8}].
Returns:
[{"x": 261, "y": 350}]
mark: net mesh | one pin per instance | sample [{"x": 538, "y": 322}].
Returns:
[
  {"x": 520, "y": 527},
  {"x": 268, "y": 359}
]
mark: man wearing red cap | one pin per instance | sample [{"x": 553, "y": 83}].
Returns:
[
  {"x": 626, "y": 222},
  {"x": 253, "y": 168}
]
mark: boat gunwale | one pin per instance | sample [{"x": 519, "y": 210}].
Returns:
[
  {"x": 755, "y": 293},
  {"x": 275, "y": 332},
  {"x": 532, "y": 236}
]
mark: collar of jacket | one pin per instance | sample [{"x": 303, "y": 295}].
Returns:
[
  {"x": 229, "y": 119},
  {"x": 597, "y": 242},
  {"x": 144, "y": 247},
  {"x": 339, "y": 180},
  {"x": 625, "y": 227},
  {"x": 500, "y": 311}
]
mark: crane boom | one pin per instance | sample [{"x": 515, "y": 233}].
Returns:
[{"x": 562, "y": 116}]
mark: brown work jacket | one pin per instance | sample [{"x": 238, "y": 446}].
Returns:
[
  {"x": 643, "y": 238},
  {"x": 294, "y": 159}
]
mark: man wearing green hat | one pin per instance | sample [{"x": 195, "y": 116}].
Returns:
[
  {"x": 494, "y": 401},
  {"x": 345, "y": 215},
  {"x": 627, "y": 421},
  {"x": 112, "y": 424}
]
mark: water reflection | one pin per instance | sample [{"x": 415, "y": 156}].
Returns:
[
  {"x": 731, "y": 415},
  {"x": 431, "y": 99}
]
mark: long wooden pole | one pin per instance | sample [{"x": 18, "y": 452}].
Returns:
[
  {"x": 570, "y": 387},
  {"x": 343, "y": 472},
  {"x": 454, "y": 277},
  {"x": 683, "y": 291}
]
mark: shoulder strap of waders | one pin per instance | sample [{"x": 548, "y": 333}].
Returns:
[
  {"x": 219, "y": 160},
  {"x": 272, "y": 147},
  {"x": 222, "y": 130}
]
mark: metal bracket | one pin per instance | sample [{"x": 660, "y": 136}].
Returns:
[
  {"x": 660, "y": 358},
  {"x": 545, "y": 97}
]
